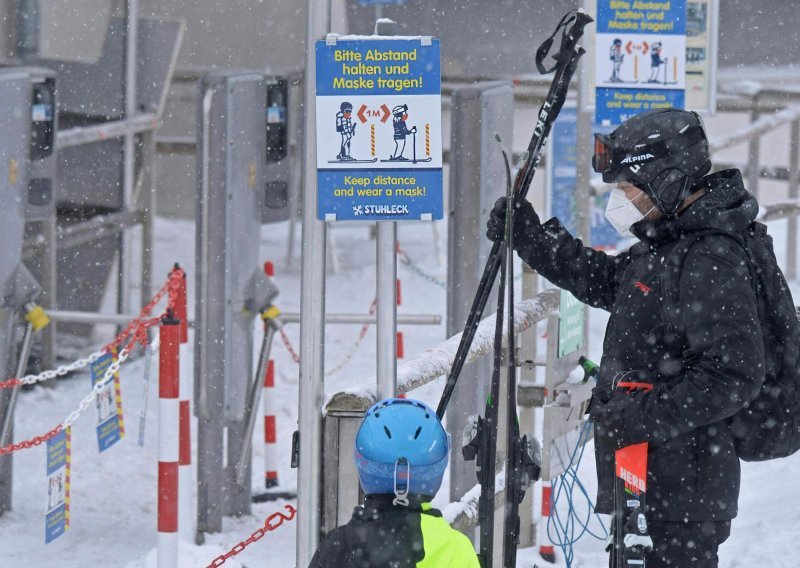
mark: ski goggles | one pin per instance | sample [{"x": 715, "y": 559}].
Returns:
[{"x": 603, "y": 156}]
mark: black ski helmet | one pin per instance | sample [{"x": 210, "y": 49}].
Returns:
[
  {"x": 662, "y": 152},
  {"x": 346, "y": 107}
]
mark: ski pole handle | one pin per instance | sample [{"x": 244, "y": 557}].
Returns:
[{"x": 590, "y": 368}]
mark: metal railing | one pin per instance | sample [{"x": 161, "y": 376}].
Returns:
[{"x": 770, "y": 108}]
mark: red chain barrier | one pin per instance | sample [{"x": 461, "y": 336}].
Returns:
[
  {"x": 10, "y": 383},
  {"x": 289, "y": 347},
  {"x": 135, "y": 332},
  {"x": 273, "y": 522},
  {"x": 32, "y": 442},
  {"x": 364, "y": 329}
]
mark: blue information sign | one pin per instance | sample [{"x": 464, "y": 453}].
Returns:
[
  {"x": 379, "y": 135},
  {"x": 640, "y": 61},
  {"x": 562, "y": 160}
]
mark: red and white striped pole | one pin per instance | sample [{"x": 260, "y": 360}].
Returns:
[
  {"x": 546, "y": 549},
  {"x": 186, "y": 516},
  {"x": 400, "y": 346},
  {"x": 270, "y": 428},
  {"x": 168, "y": 440},
  {"x": 270, "y": 407}
]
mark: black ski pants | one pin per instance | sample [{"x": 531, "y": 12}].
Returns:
[{"x": 686, "y": 545}]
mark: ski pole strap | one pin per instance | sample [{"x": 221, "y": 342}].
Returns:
[
  {"x": 570, "y": 37},
  {"x": 566, "y": 63}
]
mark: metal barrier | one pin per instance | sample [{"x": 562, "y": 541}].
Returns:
[{"x": 476, "y": 166}]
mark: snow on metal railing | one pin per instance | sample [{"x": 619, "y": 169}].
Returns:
[
  {"x": 436, "y": 361},
  {"x": 112, "y": 129},
  {"x": 462, "y": 515},
  {"x": 782, "y": 210},
  {"x": 755, "y": 129}
]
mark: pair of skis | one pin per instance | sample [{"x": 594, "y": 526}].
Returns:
[
  {"x": 523, "y": 457},
  {"x": 481, "y": 442},
  {"x": 630, "y": 540}
]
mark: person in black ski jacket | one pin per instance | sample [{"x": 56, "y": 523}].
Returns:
[
  {"x": 659, "y": 161},
  {"x": 401, "y": 455}
]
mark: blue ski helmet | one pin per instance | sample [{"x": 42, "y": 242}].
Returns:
[{"x": 401, "y": 449}]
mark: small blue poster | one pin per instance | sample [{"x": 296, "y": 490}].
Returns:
[
  {"x": 59, "y": 450},
  {"x": 110, "y": 426}
]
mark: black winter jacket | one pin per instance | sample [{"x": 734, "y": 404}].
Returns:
[{"x": 693, "y": 470}]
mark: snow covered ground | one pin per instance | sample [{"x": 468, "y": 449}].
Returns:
[{"x": 113, "y": 501}]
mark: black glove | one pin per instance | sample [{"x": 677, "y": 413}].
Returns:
[
  {"x": 609, "y": 420},
  {"x": 618, "y": 420},
  {"x": 526, "y": 221}
]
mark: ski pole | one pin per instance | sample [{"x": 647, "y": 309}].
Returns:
[
  {"x": 566, "y": 63},
  {"x": 414, "y": 148}
]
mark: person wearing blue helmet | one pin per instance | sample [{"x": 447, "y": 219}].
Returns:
[{"x": 401, "y": 453}]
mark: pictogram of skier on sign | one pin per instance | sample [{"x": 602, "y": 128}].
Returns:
[
  {"x": 655, "y": 62},
  {"x": 401, "y": 131},
  {"x": 616, "y": 56},
  {"x": 346, "y": 127}
]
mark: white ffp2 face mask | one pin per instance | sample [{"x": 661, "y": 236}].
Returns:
[{"x": 622, "y": 213}]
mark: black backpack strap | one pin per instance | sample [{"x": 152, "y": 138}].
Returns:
[{"x": 671, "y": 269}]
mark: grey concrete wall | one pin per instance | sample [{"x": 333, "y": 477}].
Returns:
[
  {"x": 74, "y": 30},
  {"x": 6, "y": 27},
  {"x": 237, "y": 33}
]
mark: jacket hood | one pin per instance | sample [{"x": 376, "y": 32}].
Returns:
[{"x": 726, "y": 206}]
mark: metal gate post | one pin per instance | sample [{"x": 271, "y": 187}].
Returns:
[
  {"x": 386, "y": 279},
  {"x": 753, "y": 150},
  {"x": 794, "y": 180},
  {"x": 476, "y": 168},
  {"x": 15, "y": 127},
  {"x": 386, "y": 247},
  {"x": 129, "y": 153},
  {"x": 312, "y": 309},
  {"x": 343, "y": 416},
  {"x": 232, "y": 127}
]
